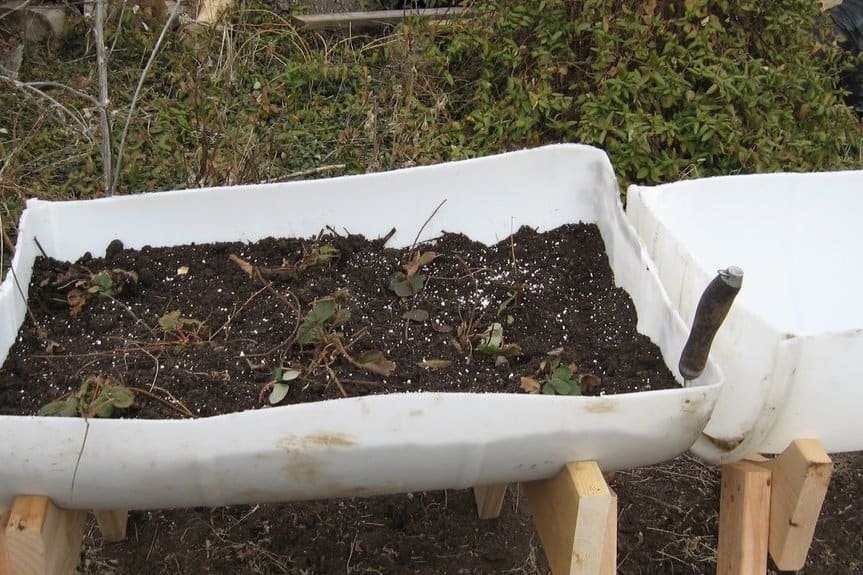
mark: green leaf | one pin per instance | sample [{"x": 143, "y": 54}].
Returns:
[
  {"x": 492, "y": 341},
  {"x": 561, "y": 382},
  {"x": 61, "y": 408},
  {"x": 279, "y": 392},
  {"x": 282, "y": 374},
  {"x": 407, "y": 285},
  {"x": 170, "y": 321},
  {"x": 120, "y": 396},
  {"x": 103, "y": 283},
  {"x": 105, "y": 411},
  {"x": 312, "y": 329}
]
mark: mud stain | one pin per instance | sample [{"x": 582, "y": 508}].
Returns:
[{"x": 605, "y": 406}]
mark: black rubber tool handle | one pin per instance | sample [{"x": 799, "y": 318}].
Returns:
[{"x": 709, "y": 315}]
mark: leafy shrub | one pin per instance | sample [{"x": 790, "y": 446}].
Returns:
[{"x": 669, "y": 88}]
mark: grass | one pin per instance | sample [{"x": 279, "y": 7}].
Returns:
[{"x": 671, "y": 90}]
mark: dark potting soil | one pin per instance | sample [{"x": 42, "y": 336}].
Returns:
[{"x": 551, "y": 293}]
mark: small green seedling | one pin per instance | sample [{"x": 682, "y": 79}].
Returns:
[
  {"x": 186, "y": 330},
  {"x": 319, "y": 256},
  {"x": 106, "y": 283},
  {"x": 326, "y": 315},
  {"x": 513, "y": 297},
  {"x": 492, "y": 343},
  {"x": 98, "y": 396},
  {"x": 562, "y": 381},
  {"x": 410, "y": 282},
  {"x": 280, "y": 385}
]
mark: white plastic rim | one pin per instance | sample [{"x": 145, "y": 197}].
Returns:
[
  {"x": 792, "y": 344},
  {"x": 354, "y": 446}
]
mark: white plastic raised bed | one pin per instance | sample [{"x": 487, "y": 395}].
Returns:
[
  {"x": 354, "y": 446},
  {"x": 792, "y": 345}
]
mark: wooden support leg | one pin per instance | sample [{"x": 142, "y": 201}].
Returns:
[
  {"x": 42, "y": 539},
  {"x": 576, "y": 516},
  {"x": 489, "y": 499},
  {"x": 772, "y": 505},
  {"x": 801, "y": 475},
  {"x": 112, "y": 523},
  {"x": 5, "y": 569},
  {"x": 743, "y": 519}
]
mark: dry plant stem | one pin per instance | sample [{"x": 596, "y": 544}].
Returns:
[
  {"x": 416, "y": 239},
  {"x": 336, "y": 379},
  {"x": 236, "y": 313},
  {"x": 103, "y": 102},
  {"x": 179, "y": 407},
  {"x": 118, "y": 165},
  {"x": 31, "y": 89},
  {"x": 40, "y": 331},
  {"x": 304, "y": 173}
]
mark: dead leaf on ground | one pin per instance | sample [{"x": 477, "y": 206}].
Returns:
[
  {"x": 375, "y": 362},
  {"x": 416, "y": 314},
  {"x": 434, "y": 364},
  {"x": 530, "y": 385},
  {"x": 589, "y": 383},
  {"x": 243, "y": 265},
  {"x": 441, "y": 327},
  {"x": 76, "y": 300}
]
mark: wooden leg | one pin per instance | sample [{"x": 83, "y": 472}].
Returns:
[
  {"x": 801, "y": 475},
  {"x": 112, "y": 523},
  {"x": 489, "y": 499},
  {"x": 744, "y": 515},
  {"x": 42, "y": 539},
  {"x": 5, "y": 569},
  {"x": 575, "y": 515}
]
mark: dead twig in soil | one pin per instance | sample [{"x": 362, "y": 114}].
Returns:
[
  {"x": 179, "y": 407},
  {"x": 41, "y": 332},
  {"x": 335, "y": 378},
  {"x": 155, "y": 361},
  {"x": 237, "y": 312},
  {"x": 289, "y": 341},
  {"x": 419, "y": 233}
]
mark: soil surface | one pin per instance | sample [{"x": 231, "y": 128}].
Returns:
[
  {"x": 667, "y": 524},
  {"x": 551, "y": 294}
]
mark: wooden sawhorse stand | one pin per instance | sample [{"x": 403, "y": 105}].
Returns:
[
  {"x": 765, "y": 505},
  {"x": 575, "y": 513},
  {"x": 39, "y": 538},
  {"x": 771, "y": 505}
]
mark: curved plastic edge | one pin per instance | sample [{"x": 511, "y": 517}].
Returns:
[{"x": 780, "y": 386}]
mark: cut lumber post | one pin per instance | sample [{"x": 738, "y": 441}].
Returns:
[
  {"x": 42, "y": 539},
  {"x": 575, "y": 514},
  {"x": 370, "y": 19},
  {"x": 489, "y": 499},
  {"x": 112, "y": 523},
  {"x": 744, "y": 519},
  {"x": 800, "y": 477},
  {"x": 5, "y": 569}
]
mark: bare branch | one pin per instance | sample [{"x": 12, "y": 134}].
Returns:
[
  {"x": 69, "y": 89},
  {"x": 141, "y": 80},
  {"x": 33, "y": 90},
  {"x": 102, "y": 73}
]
